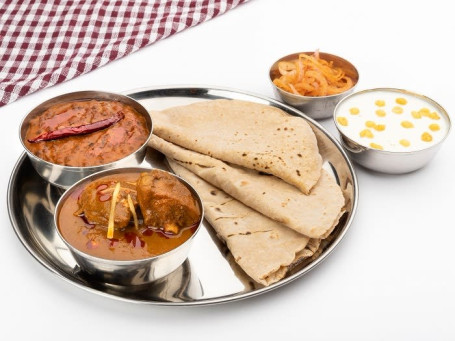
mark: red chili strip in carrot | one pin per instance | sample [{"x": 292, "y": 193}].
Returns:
[{"x": 80, "y": 130}]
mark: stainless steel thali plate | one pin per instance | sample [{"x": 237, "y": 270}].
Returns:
[{"x": 209, "y": 275}]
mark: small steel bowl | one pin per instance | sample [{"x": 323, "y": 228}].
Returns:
[
  {"x": 65, "y": 176},
  {"x": 316, "y": 107},
  {"x": 386, "y": 160},
  {"x": 131, "y": 272}
]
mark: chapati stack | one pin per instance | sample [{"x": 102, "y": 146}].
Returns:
[{"x": 260, "y": 176}]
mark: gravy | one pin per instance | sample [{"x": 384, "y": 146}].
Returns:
[
  {"x": 128, "y": 242},
  {"x": 100, "y": 147}
]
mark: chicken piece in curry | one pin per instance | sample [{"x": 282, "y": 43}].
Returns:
[
  {"x": 165, "y": 202},
  {"x": 95, "y": 202}
]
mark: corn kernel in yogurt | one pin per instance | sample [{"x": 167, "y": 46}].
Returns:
[
  {"x": 416, "y": 114},
  {"x": 376, "y": 146},
  {"x": 377, "y": 127},
  {"x": 380, "y": 103},
  {"x": 354, "y": 111},
  {"x": 434, "y": 116},
  {"x": 426, "y": 137},
  {"x": 427, "y": 113},
  {"x": 434, "y": 127},
  {"x": 380, "y": 113},
  {"x": 405, "y": 143},
  {"x": 401, "y": 100},
  {"x": 397, "y": 110},
  {"x": 424, "y": 111},
  {"x": 342, "y": 120},
  {"x": 366, "y": 133},
  {"x": 407, "y": 124}
]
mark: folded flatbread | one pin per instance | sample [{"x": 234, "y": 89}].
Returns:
[
  {"x": 264, "y": 248},
  {"x": 252, "y": 135},
  {"x": 314, "y": 215}
]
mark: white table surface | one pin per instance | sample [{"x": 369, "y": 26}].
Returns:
[{"x": 392, "y": 277}]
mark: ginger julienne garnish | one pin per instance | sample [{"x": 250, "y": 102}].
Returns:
[
  {"x": 311, "y": 76},
  {"x": 133, "y": 211},
  {"x": 110, "y": 226}
]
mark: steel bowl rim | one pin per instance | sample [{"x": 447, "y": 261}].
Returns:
[
  {"x": 105, "y": 172},
  {"x": 385, "y": 152}
]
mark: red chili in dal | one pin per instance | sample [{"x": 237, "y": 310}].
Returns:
[{"x": 108, "y": 143}]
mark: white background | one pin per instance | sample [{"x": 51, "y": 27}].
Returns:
[{"x": 392, "y": 277}]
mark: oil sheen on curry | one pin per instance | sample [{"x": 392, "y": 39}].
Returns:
[
  {"x": 86, "y": 133},
  {"x": 129, "y": 216}
]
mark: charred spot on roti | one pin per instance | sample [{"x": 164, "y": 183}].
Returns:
[
  {"x": 229, "y": 199},
  {"x": 274, "y": 235},
  {"x": 202, "y": 166},
  {"x": 298, "y": 172},
  {"x": 213, "y": 192}
]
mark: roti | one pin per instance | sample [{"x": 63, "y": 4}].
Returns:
[
  {"x": 314, "y": 215},
  {"x": 264, "y": 248},
  {"x": 251, "y": 135}
]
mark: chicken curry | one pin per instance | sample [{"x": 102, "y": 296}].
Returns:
[{"x": 129, "y": 216}]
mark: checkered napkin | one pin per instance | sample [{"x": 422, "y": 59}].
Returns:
[{"x": 43, "y": 43}]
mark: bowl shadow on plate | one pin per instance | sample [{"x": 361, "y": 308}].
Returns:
[{"x": 178, "y": 286}]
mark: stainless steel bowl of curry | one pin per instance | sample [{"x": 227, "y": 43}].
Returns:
[
  {"x": 71, "y": 136},
  {"x": 129, "y": 226}
]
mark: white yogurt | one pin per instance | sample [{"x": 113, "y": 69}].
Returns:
[{"x": 392, "y": 120}]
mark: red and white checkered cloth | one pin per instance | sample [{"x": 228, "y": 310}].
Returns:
[{"x": 44, "y": 42}]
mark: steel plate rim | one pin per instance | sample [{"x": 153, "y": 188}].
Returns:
[{"x": 220, "y": 299}]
